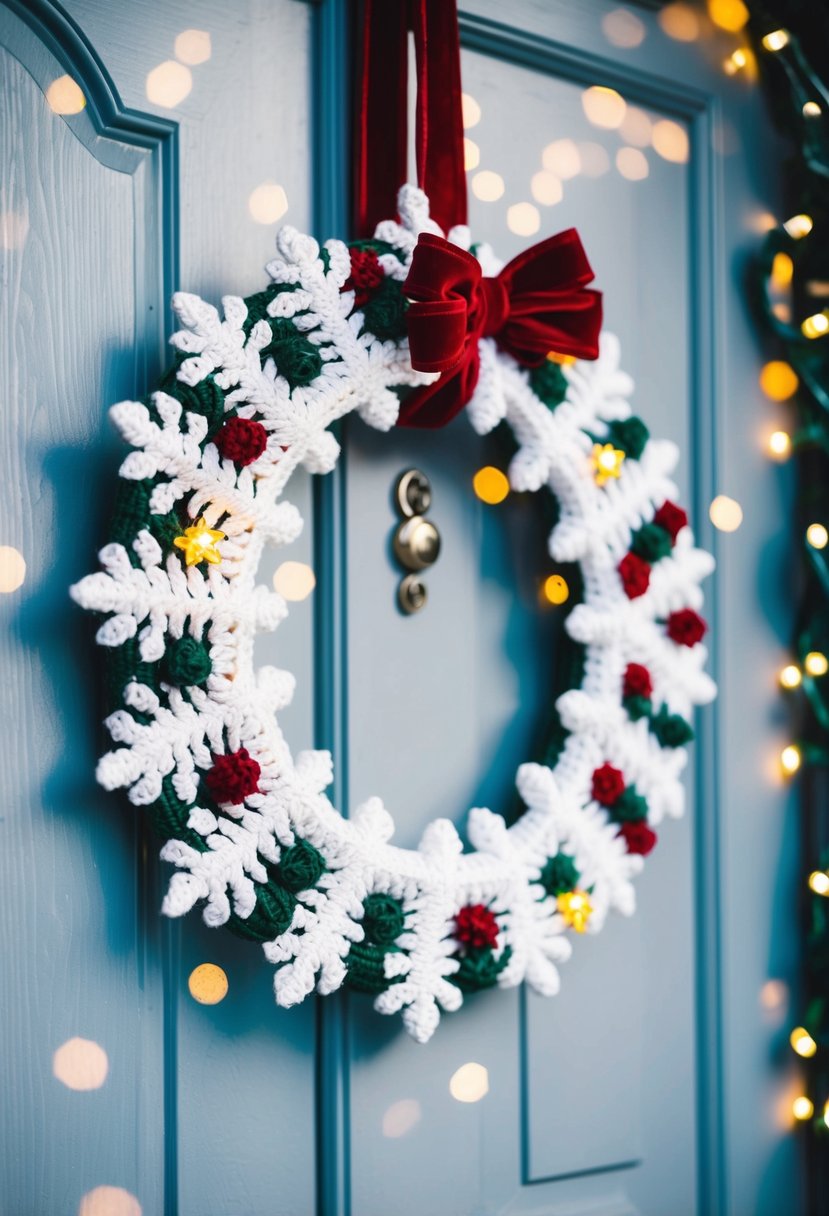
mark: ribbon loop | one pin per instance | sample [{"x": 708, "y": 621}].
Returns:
[{"x": 538, "y": 304}]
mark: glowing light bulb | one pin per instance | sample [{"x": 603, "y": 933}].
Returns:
[
  {"x": 790, "y": 759},
  {"x": 556, "y": 590},
  {"x": 782, "y": 271},
  {"x": 817, "y": 536},
  {"x": 776, "y": 40},
  {"x": 811, "y": 109},
  {"x": 819, "y": 882},
  {"x": 816, "y": 663},
  {"x": 816, "y": 325},
  {"x": 803, "y": 1107},
  {"x": 576, "y": 909},
  {"x": 799, "y": 226},
  {"x": 780, "y": 444},
  {"x": 607, "y": 462},
  {"x": 199, "y": 544},
  {"x": 802, "y": 1042},
  {"x": 735, "y": 62},
  {"x": 790, "y": 676}
]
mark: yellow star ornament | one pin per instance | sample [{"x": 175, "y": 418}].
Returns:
[
  {"x": 576, "y": 909},
  {"x": 606, "y": 462},
  {"x": 200, "y": 543}
]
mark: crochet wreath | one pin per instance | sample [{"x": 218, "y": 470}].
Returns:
[{"x": 254, "y": 839}]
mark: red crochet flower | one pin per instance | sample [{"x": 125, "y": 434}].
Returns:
[
  {"x": 637, "y": 681},
  {"x": 366, "y": 275},
  {"x": 636, "y": 574},
  {"x": 476, "y": 926},
  {"x": 242, "y": 440},
  {"x": 686, "y": 627},
  {"x": 638, "y": 837},
  {"x": 233, "y": 777},
  {"x": 672, "y": 518},
  {"x": 608, "y": 785}
]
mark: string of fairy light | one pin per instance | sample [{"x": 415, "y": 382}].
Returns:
[{"x": 791, "y": 276}]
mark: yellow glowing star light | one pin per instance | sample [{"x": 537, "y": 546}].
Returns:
[
  {"x": 607, "y": 462},
  {"x": 576, "y": 909},
  {"x": 200, "y": 543}
]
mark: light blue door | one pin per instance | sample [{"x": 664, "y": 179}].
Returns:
[{"x": 647, "y": 1086}]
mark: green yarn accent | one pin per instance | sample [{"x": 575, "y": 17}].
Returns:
[
  {"x": 651, "y": 543},
  {"x": 205, "y": 398},
  {"x": 671, "y": 730},
  {"x": 187, "y": 662},
  {"x": 301, "y": 866},
  {"x": 257, "y": 304},
  {"x": 383, "y": 919},
  {"x": 480, "y": 969},
  {"x": 384, "y": 314},
  {"x": 170, "y": 815},
  {"x": 630, "y": 807},
  {"x": 548, "y": 382},
  {"x": 559, "y": 874},
  {"x": 629, "y": 434},
  {"x": 272, "y": 915},
  {"x": 297, "y": 359},
  {"x": 125, "y": 664},
  {"x": 365, "y": 969},
  {"x": 638, "y": 707}
]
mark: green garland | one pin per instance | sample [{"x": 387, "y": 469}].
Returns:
[{"x": 798, "y": 92}]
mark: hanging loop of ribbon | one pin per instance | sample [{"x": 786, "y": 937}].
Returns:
[
  {"x": 382, "y": 118},
  {"x": 537, "y": 305}
]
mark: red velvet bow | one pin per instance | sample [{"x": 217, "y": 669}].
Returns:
[{"x": 537, "y": 304}]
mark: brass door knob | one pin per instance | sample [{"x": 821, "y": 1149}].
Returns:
[{"x": 416, "y": 543}]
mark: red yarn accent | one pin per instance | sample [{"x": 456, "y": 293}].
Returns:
[
  {"x": 242, "y": 440},
  {"x": 672, "y": 518},
  {"x": 476, "y": 926},
  {"x": 686, "y": 627},
  {"x": 636, "y": 574},
  {"x": 608, "y": 785},
  {"x": 366, "y": 275},
  {"x": 638, "y": 837},
  {"x": 233, "y": 777},
  {"x": 638, "y": 681}
]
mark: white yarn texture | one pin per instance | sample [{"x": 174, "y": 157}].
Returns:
[{"x": 168, "y": 734}]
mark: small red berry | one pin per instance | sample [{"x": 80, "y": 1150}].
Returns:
[
  {"x": 672, "y": 518},
  {"x": 608, "y": 785},
  {"x": 242, "y": 440},
  {"x": 638, "y": 837},
  {"x": 233, "y": 777},
  {"x": 638, "y": 681},
  {"x": 476, "y": 927},
  {"x": 686, "y": 627},
  {"x": 636, "y": 574}
]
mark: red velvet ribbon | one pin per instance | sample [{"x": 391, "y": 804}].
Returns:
[
  {"x": 538, "y": 303},
  {"x": 383, "y": 111}
]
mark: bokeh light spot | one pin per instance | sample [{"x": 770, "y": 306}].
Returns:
[
  {"x": 632, "y": 164},
  {"x": 471, "y": 154},
  {"x": 726, "y": 513},
  {"x": 12, "y": 568},
  {"x": 556, "y": 590},
  {"x": 487, "y": 186},
  {"x": 193, "y": 47},
  {"x": 778, "y": 380},
  {"x": 490, "y": 485},
  {"x": 670, "y": 140},
  {"x": 401, "y": 1118},
  {"x": 294, "y": 581},
  {"x": 80, "y": 1064},
  {"x": 109, "y": 1201},
  {"x": 208, "y": 984},
  {"x": 546, "y": 188},
  {"x": 623, "y": 28},
  {"x": 268, "y": 203},
  {"x": 523, "y": 219},
  {"x": 169, "y": 84},
  {"x": 65, "y": 96},
  {"x": 729, "y": 15},
  {"x": 603, "y": 107},
  {"x": 562, "y": 158},
  {"x": 471, "y": 111},
  {"x": 680, "y": 22},
  {"x": 469, "y": 1083}
]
